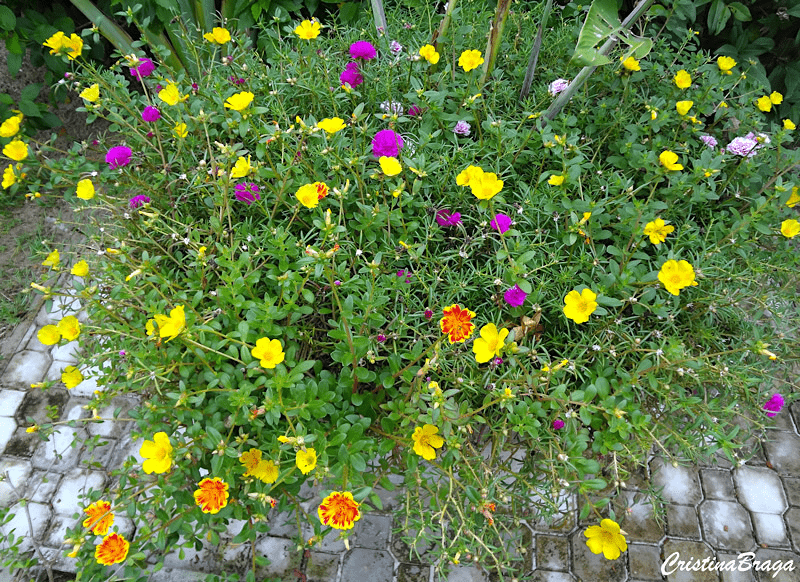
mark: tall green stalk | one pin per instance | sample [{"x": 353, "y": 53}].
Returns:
[
  {"x": 537, "y": 46},
  {"x": 495, "y": 36},
  {"x": 379, "y": 15}
]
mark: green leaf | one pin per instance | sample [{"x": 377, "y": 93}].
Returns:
[
  {"x": 358, "y": 463},
  {"x": 7, "y": 19},
  {"x": 28, "y": 108},
  {"x": 740, "y": 12},
  {"x": 601, "y": 22},
  {"x": 718, "y": 16}
]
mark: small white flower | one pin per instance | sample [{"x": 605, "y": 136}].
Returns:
[
  {"x": 186, "y": 240},
  {"x": 359, "y": 252},
  {"x": 596, "y": 347},
  {"x": 93, "y": 174}
]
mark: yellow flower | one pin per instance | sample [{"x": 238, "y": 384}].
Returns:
[
  {"x": 241, "y": 168},
  {"x": 469, "y": 175},
  {"x": 607, "y": 539},
  {"x": 682, "y": 79},
  {"x": 658, "y": 231},
  {"x": 71, "y": 377},
  {"x": 173, "y": 325},
  {"x": 426, "y": 441},
  {"x": 157, "y": 454},
  {"x": 307, "y": 29},
  {"x": 390, "y": 166},
  {"x": 100, "y": 517},
  {"x": 49, "y": 335},
  {"x": 579, "y": 306},
  {"x": 556, "y": 180},
  {"x": 180, "y": 130},
  {"x": 764, "y": 104},
  {"x": 725, "y": 64},
  {"x": 85, "y": 189},
  {"x": 776, "y": 98},
  {"x": 9, "y": 177},
  {"x": 307, "y": 196},
  {"x": 428, "y": 52},
  {"x": 170, "y": 94},
  {"x": 52, "y": 259},
  {"x": 239, "y": 101},
  {"x": 60, "y": 43},
  {"x": 789, "y": 124},
  {"x": 794, "y": 198},
  {"x": 17, "y": 150},
  {"x": 630, "y": 63},
  {"x": 339, "y": 510},
  {"x": 266, "y": 471},
  {"x": 80, "y": 269},
  {"x": 675, "y": 275},
  {"x": 487, "y": 186},
  {"x": 91, "y": 94},
  {"x": 218, "y": 36},
  {"x": 683, "y": 107},
  {"x": 669, "y": 160},
  {"x": 10, "y": 127},
  {"x": 69, "y": 327},
  {"x": 790, "y": 228},
  {"x": 149, "y": 327},
  {"x": 331, "y": 125},
  {"x": 470, "y": 60},
  {"x": 306, "y": 460},
  {"x": 270, "y": 352},
  {"x": 490, "y": 344}
]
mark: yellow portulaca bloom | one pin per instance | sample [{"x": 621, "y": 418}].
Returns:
[
  {"x": 85, "y": 189},
  {"x": 17, "y": 150},
  {"x": 676, "y": 275},
  {"x": 171, "y": 326},
  {"x": 390, "y": 166},
  {"x": 269, "y": 351},
  {"x": 49, "y": 335},
  {"x": 607, "y": 539},
  {"x": 556, "y": 180},
  {"x": 490, "y": 344},
  {"x": 69, "y": 327},
  {"x": 239, "y": 101},
  {"x": 487, "y": 186},
  {"x": 157, "y": 454},
  {"x": 91, "y": 93},
  {"x": 426, "y": 441},
  {"x": 428, "y": 52},
  {"x": 469, "y": 175},
  {"x": 683, "y": 107},
  {"x": 579, "y": 306},
  {"x": 59, "y": 43},
  {"x": 306, "y": 460},
  {"x": 331, "y": 125},
  {"x": 180, "y": 130},
  {"x": 790, "y": 228},
  {"x": 10, "y": 127},
  {"x": 218, "y": 36},
  {"x": 470, "y": 59},
  {"x": 52, "y": 259},
  {"x": 170, "y": 94},
  {"x": 682, "y": 79},
  {"x": 725, "y": 64},
  {"x": 658, "y": 231},
  {"x": 308, "y": 29},
  {"x": 794, "y": 198},
  {"x": 80, "y": 269},
  {"x": 776, "y": 98},
  {"x": 669, "y": 160},
  {"x": 789, "y": 124},
  {"x": 9, "y": 177},
  {"x": 764, "y": 104},
  {"x": 307, "y": 196},
  {"x": 241, "y": 168},
  {"x": 630, "y": 63},
  {"x": 71, "y": 377}
]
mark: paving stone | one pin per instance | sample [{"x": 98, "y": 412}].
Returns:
[
  {"x": 75, "y": 484},
  {"x": 682, "y": 522},
  {"x": 466, "y": 574},
  {"x": 770, "y": 529},
  {"x": 55, "y": 370},
  {"x": 25, "y": 368},
  {"x": 42, "y": 486},
  {"x": 40, "y": 518},
  {"x": 58, "y": 453},
  {"x": 62, "y": 306},
  {"x": 731, "y": 573},
  {"x": 60, "y": 563},
  {"x": 563, "y": 521},
  {"x": 8, "y": 426},
  {"x": 416, "y": 551},
  {"x": 680, "y": 484},
  {"x": 177, "y": 575},
  {"x": 639, "y": 518},
  {"x": 726, "y": 526},
  {"x": 10, "y": 401},
  {"x": 792, "y": 519},
  {"x": 113, "y": 427},
  {"x": 782, "y": 453},
  {"x": 644, "y": 561},
  {"x": 125, "y": 449},
  {"x": 552, "y": 553},
  {"x": 589, "y": 566},
  {"x": 760, "y": 490},
  {"x": 791, "y": 487},
  {"x": 57, "y": 532},
  {"x": 34, "y": 344},
  {"x": 795, "y": 411},
  {"x": 37, "y": 402},
  {"x": 544, "y": 576},
  {"x": 282, "y": 555},
  {"x": 361, "y": 564},
  {"x": 14, "y": 486},
  {"x": 322, "y": 567},
  {"x": 773, "y": 571},
  {"x": 781, "y": 421},
  {"x": 372, "y": 531},
  {"x": 717, "y": 484},
  {"x": 675, "y": 551}
]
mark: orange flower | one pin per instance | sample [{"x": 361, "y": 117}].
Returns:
[
  {"x": 212, "y": 495},
  {"x": 112, "y": 550},
  {"x": 100, "y": 517},
  {"x": 456, "y": 323},
  {"x": 339, "y": 510},
  {"x": 322, "y": 190}
]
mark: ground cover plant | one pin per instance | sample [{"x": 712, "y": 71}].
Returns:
[{"x": 352, "y": 261}]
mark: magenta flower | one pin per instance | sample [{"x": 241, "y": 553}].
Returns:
[
  {"x": 151, "y": 114},
  {"x": 362, "y": 49},
  {"x": 247, "y": 192},
  {"x": 144, "y": 69},
  {"x": 118, "y": 156},
  {"x": 387, "y": 143},
  {"x": 515, "y": 296},
  {"x": 138, "y": 201},
  {"x": 428, "y": 314},
  {"x": 501, "y": 223},
  {"x": 414, "y": 110},
  {"x": 350, "y": 75},
  {"x": 774, "y": 404},
  {"x": 462, "y": 128},
  {"x": 445, "y": 218},
  {"x": 558, "y": 424},
  {"x": 381, "y": 338}
]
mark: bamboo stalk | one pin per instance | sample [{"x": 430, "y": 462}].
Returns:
[
  {"x": 442, "y": 30},
  {"x": 537, "y": 46},
  {"x": 379, "y": 15},
  {"x": 495, "y": 36}
]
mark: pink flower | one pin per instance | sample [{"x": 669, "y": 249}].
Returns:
[
  {"x": 501, "y": 223},
  {"x": 414, "y": 110},
  {"x": 362, "y": 49},
  {"x": 709, "y": 140},
  {"x": 558, "y": 424},
  {"x": 395, "y": 47},
  {"x": 774, "y": 404},
  {"x": 557, "y": 86},
  {"x": 445, "y": 218},
  {"x": 381, "y": 338},
  {"x": 743, "y": 146},
  {"x": 387, "y": 143},
  {"x": 515, "y": 296},
  {"x": 462, "y": 128},
  {"x": 118, "y": 156},
  {"x": 151, "y": 114},
  {"x": 138, "y": 201},
  {"x": 350, "y": 75},
  {"x": 428, "y": 314},
  {"x": 247, "y": 192},
  {"x": 145, "y": 68}
]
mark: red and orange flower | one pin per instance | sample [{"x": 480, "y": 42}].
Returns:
[
  {"x": 100, "y": 517},
  {"x": 212, "y": 495},
  {"x": 457, "y": 323},
  {"x": 112, "y": 550},
  {"x": 339, "y": 510},
  {"x": 322, "y": 189}
]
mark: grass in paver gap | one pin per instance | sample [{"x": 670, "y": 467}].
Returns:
[{"x": 347, "y": 259}]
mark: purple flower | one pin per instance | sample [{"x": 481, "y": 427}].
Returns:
[
  {"x": 144, "y": 69},
  {"x": 710, "y": 141},
  {"x": 387, "y": 143},
  {"x": 362, "y": 49},
  {"x": 401, "y": 272},
  {"x": 350, "y": 75},
  {"x": 774, "y": 404},
  {"x": 558, "y": 424},
  {"x": 414, "y": 111},
  {"x": 501, "y": 223},
  {"x": 247, "y": 192},
  {"x": 743, "y": 146},
  {"x": 150, "y": 134},
  {"x": 557, "y": 86},
  {"x": 381, "y": 338},
  {"x": 118, "y": 156},
  {"x": 138, "y": 201},
  {"x": 462, "y": 128},
  {"x": 395, "y": 47},
  {"x": 337, "y": 282},
  {"x": 446, "y": 218},
  {"x": 515, "y": 296},
  {"x": 195, "y": 87},
  {"x": 428, "y": 314},
  {"x": 151, "y": 114}
]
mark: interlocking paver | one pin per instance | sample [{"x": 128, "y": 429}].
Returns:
[
  {"x": 726, "y": 526},
  {"x": 552, "y": 553},
  {"x": 638, "y": 519},
  {"x": 733, "y": 575},
  {"x": 792, "y": 518},
  {"x": 39, "y": 516},
  {"x": 588, "y": 566},
  {"x": 282, "y": 554},
  {"x": 680, "y": 550},
  {"x": 544, "y": 576},
  {"x": 717, "y": 484},
  {"x": 10, "y": 401},
  {"x": 322, "y": 567},
  {"x": 467, "y": 574},
  {"x": 8, "y": 426},
  {"x": 791, "y": 487},
  {"x": 644, "y": 561},
  {"x": 770, "y": 529},
  {"x": 26, "y": 368},
  {"x": 15, "y": 485},
  {"x": 78, "y": 482},
  {"x": 58, "y": 453},
  {"x": 361, "y": 564},
  {"x": 372, "y": 531},
  {"x": 42, "y": 486},
  {"x": 782, "y": 453},
  {"x": 760, "y": 490},
  {"x": 782, "y": 422},
  {"x": 682, "y": 521},
  {"x": 778, "y": 569},
  {"x": 680, "y": 484}
]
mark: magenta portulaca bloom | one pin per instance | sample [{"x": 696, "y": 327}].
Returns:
[
  {"x": 558, "y": 424},
  {"x": 387, "y": 143},
  {"x": 515, "y": 296},
  {"x": 501, "y": 223},
  {"x": 144, "y": 69},
  {"x": 414, "y": 110},
  {"x": 350, "y": 75},
  {"x": 445, "y": 218},
  {"x": 118, "y": 157},
  {"x": 151, "y": 114},
  {"x": 138, "y": 201},
  {"x": 363, "y": 49},
  {"x": 774, "y": 405},
  {"x": 247, "y": 192}
]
